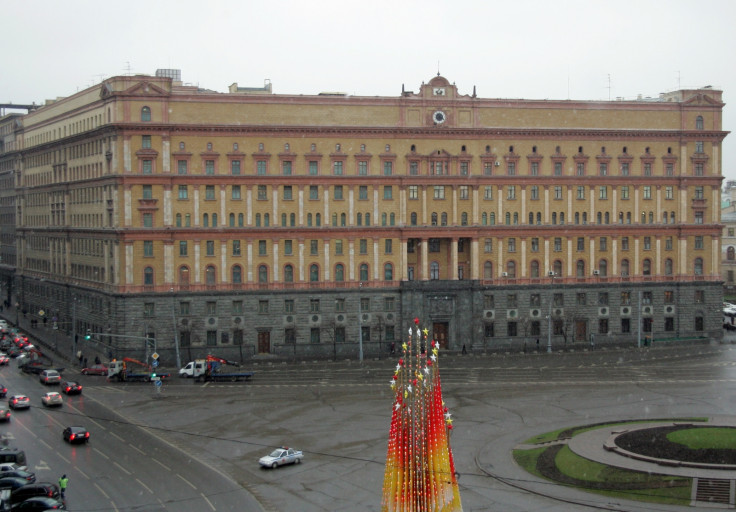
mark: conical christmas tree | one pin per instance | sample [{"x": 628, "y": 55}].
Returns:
[{"x": 420, "y": 472}]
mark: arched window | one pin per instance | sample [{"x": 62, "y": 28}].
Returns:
[
  {"x": 367, "y": 219},
  {"x": 206, "y": 220},
  {"x": 388, "y": 272},
  {"x": 384, "y": 219},
  {"x": 484, "y": 219},
  {"x": 651, "y": 217},
  {"x": 624, "y": 268},
  {"x": 488, "y": 270},
  {"x": 343, "y": 219},
  {"x": 240, "y": 220},
  {"x": 288, "y": 274},
  {"x": 148, "y": 276},
  {"x": 413, "y": 218},
  {"x": 664, "y": 217},
  {"x": 508, "y": 218},
  {"x": 392, "y": 219},
  {"x": 603, "y": 268},
  {"x": 492, "y": 219},
  {"x": 580, "y": 268},
  {"x": 334, "y": 220},
  {"x": 317, "y": 218},
  {"x": 434, "y": 270},
  {"x": 557, "y": 268},
  {"x": 214, "y": 220},
  {"x": 210, "y": 275},
  {"x": 178, "y": 220},
  {"x": 266, "y": 220},
  {"x": 309, "y": 219},
  {"x": 232, "y": 220},
  {"x": 698, "y": 266},
  {"x": 577, "y": 218},
  {"x": 284, "y": 224},
  {"x": 539, "y": 218},
  {"x": 554, "y": 218},
  {"x": 511, "y": 268},
  {"x": 668, "y": 267},
  {"x": 672, "y": 217},
  {"x": 585, "y": 218},
  {"x": 531, "y": 218},
  {"x": 516, "y": 218},
  {"x": 444, "y": 219},
  {"x": 698, "y": 122},
  {"x": 183, "y": 276},
  {"x": 359, "y": 219},
  {"x": 730, "y": 253},
  {"x": 600, "y": 217},
  {"x": 262, "y": 274},
  {"x": 534, "y": 269},
  {"x": 258, "y": 220},
  {"x": 237, "y": 274},
  {"x": 434, "y": 218},
  {"x": 620, "y": 217},
  {"x": 339, "y": 273},
  {"x": 314, "y": 273},
  {"x": 464, "y": 219},
  {"x": 364, "y": 272},
  {"x": 562, "y": 217},
  {"x": 146, "y": 114},
  {"x": 646, "y": 267}
]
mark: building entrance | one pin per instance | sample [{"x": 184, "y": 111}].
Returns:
[
  {"x": 264, "y": 342},
  {"x": 439, "y": 331}
]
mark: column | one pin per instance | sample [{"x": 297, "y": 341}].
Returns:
[{"x": 453, "y": 259}]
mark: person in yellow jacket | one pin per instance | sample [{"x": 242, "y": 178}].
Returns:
[{"x": 63, "y": 481}]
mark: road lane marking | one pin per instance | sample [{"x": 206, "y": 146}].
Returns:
[
  {"x": 117, "y": 436},
  {"x": 102, "y": 491},
  {"x": 208, "y": 501},
  {"x": 100, "y": 452},
  {"x": 82, "y": 472},
  {"x": 144, "y": 485},
  {"x": 122, "y": 468},
  {"x": 187, "y": 481},
  {"x": 137, "y": 449},
  {"x": 167, "y": 468}
]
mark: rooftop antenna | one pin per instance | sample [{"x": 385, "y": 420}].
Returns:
[
  {"x": 609, "y": 87},
  {"x": 438, "y": 67},
  {"x": 127, "y": 67}
]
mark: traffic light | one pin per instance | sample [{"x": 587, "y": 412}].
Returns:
[{"x": 89, "y": 335}]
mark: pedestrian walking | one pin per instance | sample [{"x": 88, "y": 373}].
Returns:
[
  {"x": 97, "y": 360},
  {"x": 465, "y": 351},
  {"x": 79, "y": 356},
  {"x": 63, "y": 481},
  {"x": 85, "y": 363}
]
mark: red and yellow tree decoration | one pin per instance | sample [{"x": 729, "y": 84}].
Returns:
[{"x": 420, "y": 472}]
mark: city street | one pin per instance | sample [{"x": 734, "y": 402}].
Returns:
[{"x": 338, "y": 413}]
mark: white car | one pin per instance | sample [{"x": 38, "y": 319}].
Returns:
[
  {"x": 281, "y": 456},
  {"x": 52, "y": 398}
]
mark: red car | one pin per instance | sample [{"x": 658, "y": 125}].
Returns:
[
  {"x": 3, "y": 391},
  {"x": 97, "y": 369},
  {"x": 71, "y": 388}
]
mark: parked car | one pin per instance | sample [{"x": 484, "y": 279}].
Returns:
[
  {"x": 4, "y": 359},
  {"x": 19, "y": 402},
  {"x": 281, "y": 456},
  {"x": 3, "y": 391},
  {"x": 95, "y": 369},
  {"x": 35, "y": 489},
  {"x": 28, "y": 476},
  {"x": 51, "y": 399},
  {"x": 71, "y": 388},
  {"x": 40, "y": 503},
  {"x": 12, "y": 482},
  {"x": 76, "y": 435},
  {"x": 4, "y": 413},
  {"x": 50, "y": 377}
]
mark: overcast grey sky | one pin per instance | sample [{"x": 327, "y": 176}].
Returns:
[{"x": 536, "y": 49}]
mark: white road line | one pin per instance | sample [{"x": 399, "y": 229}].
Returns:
[
  {"x": 102, "y": 491},
  {"x": 187, "y": 481},
  {"x": 167, "y": 468},
  {"x": 208, "y": 501},
  {"x": 82, "y": 472},
  {"x": 100, "y": 452},
  {"x": 144, "y": 485},
  {"x": 137, "y": 449},
  {"x": 117, "y": 436},
  {"x": 122, "y": 468}
]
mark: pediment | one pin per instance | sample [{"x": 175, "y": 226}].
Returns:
[
  {"x": 145, "y": 89},
  {"x": 700, "y": 99}
]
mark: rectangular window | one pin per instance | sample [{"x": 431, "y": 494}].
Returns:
[
  {"x": 668, "y": 243},
  {"x": 183, "y": 192},
  {"x": 535, "y": 169},
  {"x": 698, "y": 217},
  {"x": 181, "y": 166},
  {"x": 261, "y": 248},
  {"x": 647, "y": 192},
  {"x": 147, "y": 220},
  {"x": 580, "y": 299},
  {"x": 511, "y": 168},
  {"x": 488, "y": 168},
  {"x": 337, "y": 168},
  {"x": 647, "y": 243},
  {"x": 558, "y": 168},
  {"x": 147, "y": 166},
  {"x": 337, "y": 192},
  {"x": 464, "y": 192},
  {"x": 581, "y": 244},
  {"x": 699, "y": 169},
  {"x": 286, "y": 168},
  {"x": 463, "y": 168},
  {"x": 488, "y": 302},
  {"x": 388, "y": 304},
  {"x": 183, "y": 248},
  {"x": 287, "y": 193},
  {"x": 603, "y": 169},
  {"x": 698, "y": 242},
  {"x": 699, "y": 192},
  {"x": 581, "y": 192},
  {"x": 699, "y": 296},
  {"x": 290, "y": 336},
  {"x": 313, "y": 192},
  {"x": 439, "y": 192},
  {"x": 235, "y": 167},
  {"x": 147, "y": 192},
  {"x": 209, "y": 167},
  {"x": 184, "y": 308},
  {"x": 146, "y": 142},
  {"x": 647, "y": 169},
  {"x": 603, "y": 244},
  {"x": 262, "y": 307},
  {"x": 625, "y": 243},
  {"x": 488, "y": 245},
  {"x": 314, "y": 335},
  {"x": 625, "y": 169},
  {"x": 362, "y": 168},
  {"x": 209, "y": 192},
  {"x": 363, "y": 192},
  {"x": 624, "y": 192},
  {"x": 558, "y": 244},
  {"x": 288, "y": 305},
  {"x": 338, "y": 247},
  {"x": 413, "y": 192},
  {"x": 511, "y": 301},
  {"x": 535, "y": 192},
  {"x": 557, "y": 192},
  {"x": 339, "y": 305},
  {"x": 388, "y": 168},
  {"x": 414, "y": 168},
  {"x": 314, "y": 305},
  {"x": 211, "y": 308},
  {"x": 388, "y": 192},
  {"x": 535, "y": 244},
  {"x": 511, "y": 192},
  {"x": 511, "y": 244},
  {"x": 669, "y": 170},
  {"x": 149, "y": 309},
  {"x": 580, "y": 169},
  {"x": 363, "y": 246},
  {"x": 488, "y": 192},
  {"x": 236, "y": 192},
  {"x": 237, "y": 307},
  {"x": 262, "y": 192},
  {"x": 314, "y": 247},
  {"x": 261, "y": 167},
  {"x": 148, "y": 248},
  {"x": 210, "y": 247},
  {"x": 602, "y": 192},
  {"x": 668, "y": 192},
  {"x": 388, "y": 246},
  {"x": 603, "y": 298},
  {"x": 313, "y": 168},
  {"x": 288, "y": 247}
]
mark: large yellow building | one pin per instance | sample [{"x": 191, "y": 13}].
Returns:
[{"x": 254, "y": 223}]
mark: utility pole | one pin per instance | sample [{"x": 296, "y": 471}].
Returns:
[
  {"x": 176, "y": 337},
  {"x": 360, "y": 322}
]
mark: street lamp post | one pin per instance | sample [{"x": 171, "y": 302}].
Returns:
[
  {"x": 176, "y": 337},
  {"x": 360, "y": 322},
  {"x": 549, "y": 316}
]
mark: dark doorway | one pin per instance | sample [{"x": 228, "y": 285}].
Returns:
[
  {"x": 581, "y": 330},
  {"x": 439, "y": 330},
  {"x": 264, "y": 342}
]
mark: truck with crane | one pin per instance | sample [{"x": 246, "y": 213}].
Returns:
[
  {"x": 132, "y": 370},
  {"x": 211, "y": 369}
]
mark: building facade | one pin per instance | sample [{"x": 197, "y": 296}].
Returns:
[{"x": 250, "y": 223}]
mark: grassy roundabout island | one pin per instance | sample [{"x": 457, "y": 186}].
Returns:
[{"x": 549, "y": 456}]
